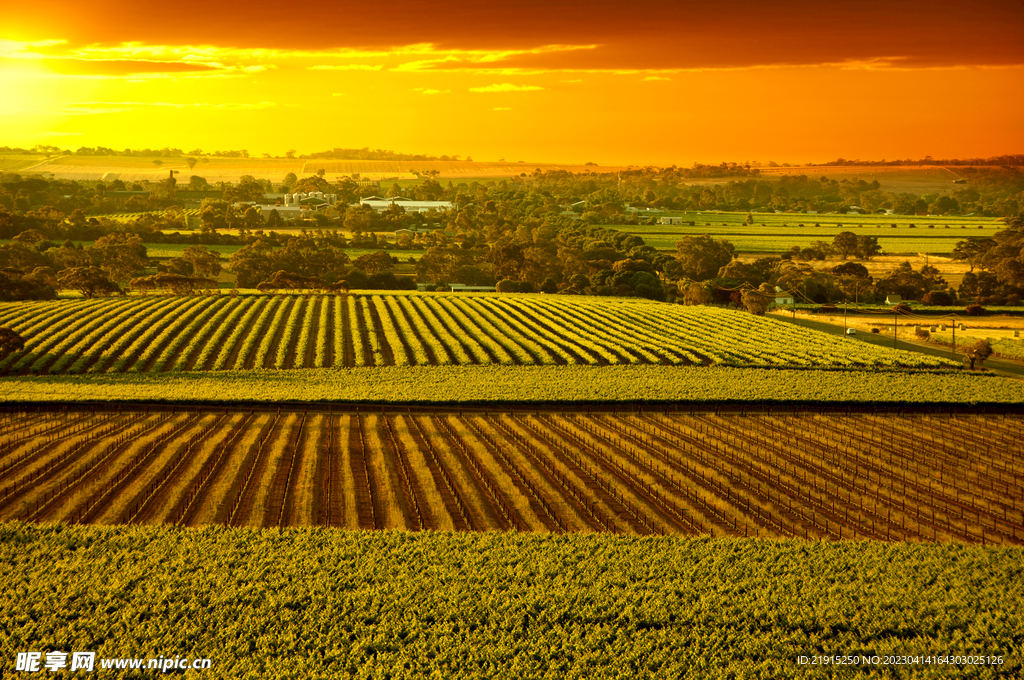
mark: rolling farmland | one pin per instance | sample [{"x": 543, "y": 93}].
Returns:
[
  {"x": 857, "y": 475},
  {"x": 139, "y": 168},
  {"x": 217, "y": 169},
  {"x": 221, "y": 333}
]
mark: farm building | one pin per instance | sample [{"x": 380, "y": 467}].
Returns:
[
  {"x": 671, "y": 220},
  {"x": 288, "y": 212},
  {"x": 313, "y": 198},
  {"x": 783, "y": 299},
  {"x": 381, "y": 204}
]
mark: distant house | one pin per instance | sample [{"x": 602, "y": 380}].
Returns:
[
  {"x": 783, "y": 299},
  {"x": 671, "y": 220},
  {"x": 404, "y": 232}
]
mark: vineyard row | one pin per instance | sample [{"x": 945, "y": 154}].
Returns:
[
  {"x": 859, "y": 476},
  {"x": 212, "y": 333}
]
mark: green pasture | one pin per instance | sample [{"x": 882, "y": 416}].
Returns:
[
  {"x": 780, "y": 232},
  {"x": 780, "y": 244},
  {"x": 168, "y": 250},
  {"x": 828, "y": 220},
  {"x": 497, "y": 385}
]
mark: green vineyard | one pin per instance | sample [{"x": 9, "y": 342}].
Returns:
[
  {"x": 321, "y": 603},
  {"x": 220, "y": 333}
]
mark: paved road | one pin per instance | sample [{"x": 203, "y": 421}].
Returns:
[{"x": 1007, "y": 367}]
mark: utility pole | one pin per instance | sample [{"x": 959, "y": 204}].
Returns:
[{"x": 895, "y": 315}]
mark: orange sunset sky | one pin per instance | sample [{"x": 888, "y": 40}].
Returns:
[{"x": 571, "y": 81}]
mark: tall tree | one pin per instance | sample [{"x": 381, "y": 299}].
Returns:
[
  {"x": 205, "y": 263},
  {"x": 89, "y": 281},
  {"x": 119, "y": 255},
  {"x": 702, "y": 256},
  {"x": 845, "y": 243}
]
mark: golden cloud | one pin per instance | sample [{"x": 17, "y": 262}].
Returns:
[{"x": 506, "y": 87}]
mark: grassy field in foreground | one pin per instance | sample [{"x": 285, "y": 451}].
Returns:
[
  {"x": 331, "y": 604},
  {"x": 504, "y": 384}
]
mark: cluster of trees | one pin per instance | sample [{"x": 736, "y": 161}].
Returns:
[
  {"x": 999, "y": 262},
  {"x": 320, "y": 263},
  {"x": 541, "y": 256},
  {"x": 518, "y": 232},
  {"x": 23, "y": 195},
  {"x": 34, "y": 268},
  {"x": 366, "y": 154},
  {"x": 705, "y": 270},
  {"x": 994, "y": 192},
  {"x": 1010, "y": 160}
]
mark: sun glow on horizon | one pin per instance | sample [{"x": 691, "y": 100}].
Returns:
[{"x": 550, "y": 102}]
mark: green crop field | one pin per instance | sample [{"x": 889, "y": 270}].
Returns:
[
  {"x": 128, "y": 216},
  {"x": 773, "y": 233},
  {"x": 169, "y": 333},
  {"x": 497, "y": 385},
  {"x": 781, "y": 244},
  {"x": 324, "y": 603},
  {"x": 168, "y": 250},
  {"x": 827, "y": 220}
]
